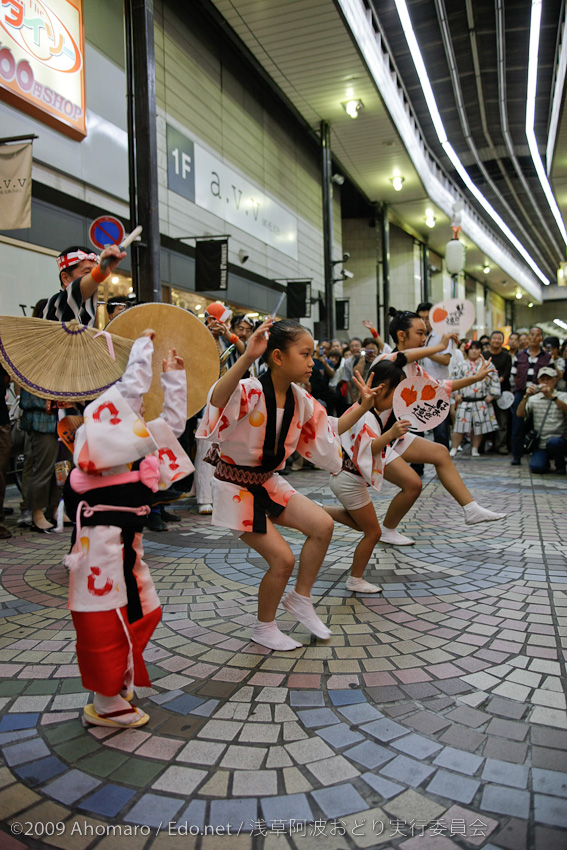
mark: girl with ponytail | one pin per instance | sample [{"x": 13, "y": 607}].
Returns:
[
  {"x": 259, "y": 423},
  {"x": 409, "y": 334}
]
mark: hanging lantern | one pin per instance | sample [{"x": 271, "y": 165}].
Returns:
[{"x": 455, "y": 255}]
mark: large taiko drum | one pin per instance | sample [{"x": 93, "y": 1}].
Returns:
[{"x": 175, "y": 328}]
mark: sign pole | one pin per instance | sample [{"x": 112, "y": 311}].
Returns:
[
  {"x": 131, "y": 141},
  {"x": 149, "y": 287}
]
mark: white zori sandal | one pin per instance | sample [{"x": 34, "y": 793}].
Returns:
[{"x": 127, "y": 718}]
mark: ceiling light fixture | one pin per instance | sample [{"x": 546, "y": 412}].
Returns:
[
  {"x": 115, "y": 279},
  {"x": 518, "y": 295},
  {"x": 561, "y": 323},
  {"x": 535, "y": 26},
  {"x": 531, "y": 304},
  {"x": 430, "y": 218},
  {"x": 353, "y": 107},
  {"x": 486, "y": 270},
  {"x": 446, "y": 145},
  {"x": 397, "y": 180}
]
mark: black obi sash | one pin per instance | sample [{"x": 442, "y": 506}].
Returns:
[{"x": 123, "y": 495}]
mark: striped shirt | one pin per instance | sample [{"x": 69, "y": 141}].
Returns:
[
  {"x": 555, "y": 424},
  {"x": 69, "y": 304}
]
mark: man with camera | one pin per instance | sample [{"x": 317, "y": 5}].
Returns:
[{"x": 549, "y": 411}]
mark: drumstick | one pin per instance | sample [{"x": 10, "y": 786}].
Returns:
[
  {"x": 276, "y": 308},
  {"x": 278, "y": 305},
  {"x": 130, "y": 238},
  {"x": 226, "y": 354}
]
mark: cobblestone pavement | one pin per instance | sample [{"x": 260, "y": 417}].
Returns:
[{"x": 434, "y": 718}]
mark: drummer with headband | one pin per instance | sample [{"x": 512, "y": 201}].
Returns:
[{"x": 80, "y": 273}]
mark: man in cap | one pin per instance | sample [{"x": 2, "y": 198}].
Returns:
[
  {"x": 525, "y": 369},
  {"x": 549, "y": 410},
  {"x": 80, "y": 273}
]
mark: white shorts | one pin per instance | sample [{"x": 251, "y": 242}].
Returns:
[{"x": 351, "y": 490}]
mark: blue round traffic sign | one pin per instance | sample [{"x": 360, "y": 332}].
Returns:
[{"x": 106, "y": 230}]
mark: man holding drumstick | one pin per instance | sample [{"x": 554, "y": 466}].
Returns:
[{"x": 80, "y": 273}]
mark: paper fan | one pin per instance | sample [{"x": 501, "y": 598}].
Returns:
[{"x": 64, "y": 361}]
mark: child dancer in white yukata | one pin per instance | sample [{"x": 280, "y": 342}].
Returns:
[
  {"x": 409, "y": 333},
  {"x": 365, "y": 449},
  {"x": 474, "y": 408},
  {"x": 112, "y": 597},
  {"x": 259, "y": 423}
]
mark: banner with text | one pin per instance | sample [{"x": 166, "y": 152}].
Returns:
[
  {"x": 206, "y": 181},
  {"x": 211, "y": 265},
  {"x": 15, "y": 186}
]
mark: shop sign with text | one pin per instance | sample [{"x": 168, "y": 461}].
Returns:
[
  {"x": 205, "y": 180},
  {"x": 42, "y": 61}
]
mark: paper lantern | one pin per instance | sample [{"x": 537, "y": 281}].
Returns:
[{"x": 455, "y": 254}]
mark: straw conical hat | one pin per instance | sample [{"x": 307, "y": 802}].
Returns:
[
  {"x": 61, "y": 360},
  {"x": 175, "y": 328}
]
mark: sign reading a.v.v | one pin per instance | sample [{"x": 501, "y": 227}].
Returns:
[{"x": 204, "y": 180}]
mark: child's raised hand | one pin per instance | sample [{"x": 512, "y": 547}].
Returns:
[
  {"x": 258, "y": 342},
  {"x": 173, "y": 362},
  {"x": 367, "y": 394},
  {"x": 486, "y": 370},
  {"x": 149, "y": 332},
  {"x": 399, "y": 429}
]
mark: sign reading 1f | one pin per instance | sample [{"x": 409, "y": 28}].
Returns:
[{"x": 180, "y": 164}]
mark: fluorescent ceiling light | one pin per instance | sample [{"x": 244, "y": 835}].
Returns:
[
  {"x": 446, "y": 145},
  {"x": 535, "y": 26},
  {"x": 561, "y": 323}
]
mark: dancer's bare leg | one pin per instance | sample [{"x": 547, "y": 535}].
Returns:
[
  {"x": 281, "y": 561},
  {"x": 312, "y": 520},
  {"x": 424, "y": 451},
  {"x": 341, "y": 515},
  {"x": 403, "y": 476}
]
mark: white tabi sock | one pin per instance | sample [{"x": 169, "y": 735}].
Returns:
[
  {"x": 268, "y": 635},
  {"x": 301, "y": 607},
  {"x": 474, "y": 513}
]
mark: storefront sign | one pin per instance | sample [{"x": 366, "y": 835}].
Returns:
[
  {"x": 204, "y": 180},
  {"x": 41, "y": 61}
]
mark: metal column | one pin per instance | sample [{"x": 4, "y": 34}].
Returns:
[
  {"x": 327, "y": 173},
  {"x": 145, "y": 148},
  {"x": 385, "y": 236},
  {"x": 425, "y": 273}
]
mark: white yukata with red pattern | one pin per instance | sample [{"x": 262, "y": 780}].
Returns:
[
  {"x": 474, "y": 412},
  {"x": 240, "y": 429},
  {"x": 357, "y": 444},
  {"x": 410, "y": 370}
]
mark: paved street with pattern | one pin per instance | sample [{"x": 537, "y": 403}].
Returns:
[{"x": 435, "y": 717}]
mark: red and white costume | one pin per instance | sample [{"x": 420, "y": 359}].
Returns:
[
  {"x": 112, "y": 597},
  {"x": 361, "y": 468},
  {"x": 255, "y": 440},
  {"x": 410, "y": 370}
]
